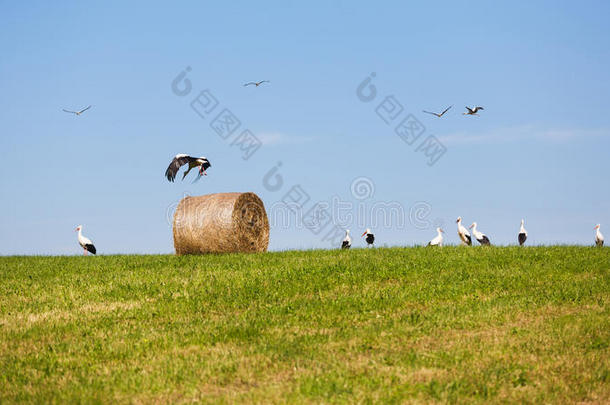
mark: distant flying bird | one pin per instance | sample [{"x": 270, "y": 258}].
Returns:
[
  {"x": 85, "y": 242},
  {"x": 522, "y": 235},
  {"x": 463, "y": 233},
  {"x": 438, "y": 239},
  {"x": 347, "y": 241},
  {"x": 472, "y": 111},
  {"x": 77, "y": 112},
  {"x": 599, "y": 238},
  {"x": 370, "y": 238},
  {"x": 180, "y": 160},
  {"x": 437, "y": 114},
  {"x": 256, "y": 83},
  {"x": 480, "y": 236}
]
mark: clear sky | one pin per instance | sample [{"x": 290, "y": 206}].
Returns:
[{"x": 538, "y": 151}]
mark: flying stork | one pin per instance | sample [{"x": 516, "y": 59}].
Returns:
[
  {"x": 522, "y": 234},
  {"x": 85, "y": 242},
  {"x": 473, "y": 111},
  {"x": 182, "y": 159},
  {"x": 370, "y": 238},
  {"x": 347, "y": 241},
  {"x": 256, "y": 83},
  {"x": 480, "y": 236},
  {"x": 463, "y": 233},
  {"x": 437, "y": 114},
  {"x": 599, "y": 238},
  {"x": 77, "y": 112},
  {"x": 438, "y": 239}
]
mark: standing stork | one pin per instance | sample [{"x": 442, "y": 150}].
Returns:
[
  {"x": 370, "y": 238},
  {"x": 463, "y": 233},
  {"x": 347, "y": 241},
  {"x": 599, "y": 238},
  {"x": 522, "y": 234},
  {"x": 438, "y": 239},
  {"x": 180, "y": 160},
  {"x": 480, "y": 236},
  {"x": 85, "y": 242}
]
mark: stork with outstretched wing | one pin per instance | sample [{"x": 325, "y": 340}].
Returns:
[
  {"x": 181, "y": 160},
  {"x": 76, "y": 112}
]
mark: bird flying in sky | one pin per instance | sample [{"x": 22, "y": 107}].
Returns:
[
  {"x": 77, "y": 112},
  {"x": 181, "y": 160},
  {"x": 437, "y": 114},
  {"x": 472, "y": 111},
  {"x": 256, "y": 83}
]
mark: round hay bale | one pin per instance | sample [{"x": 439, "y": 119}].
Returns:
[{"x": 221, "y": 223}]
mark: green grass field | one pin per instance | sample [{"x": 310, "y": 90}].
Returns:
[{"x": 466, "y": 325}]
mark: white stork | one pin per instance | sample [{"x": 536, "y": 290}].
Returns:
[
  {"x": 438, "y": 239},
  {"x": 370, "y": 238},
  {"x": 522, "y": 234},
  {"x": 599, "y": 238},
  {"x": 463, "y": 233},
  {"x": 256, "y": 83},
  {"x": 473, "y": 111},
  {"x": 77, "y": 113},
  {"x": 85, "y": 242},
  {"x": 182, "y": 159},
  {"x": 347, "y": 241},
  {"x": 480, "y": 236},
  {"x": 439, "y": 115}
]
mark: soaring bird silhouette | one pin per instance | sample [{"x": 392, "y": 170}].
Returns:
[
  {"x": 77, "y": 112},
  {"x": 472, "y": 111},
  {"x": 256, "y": 83},
  {"x": 180, "y": 160},
  {"x": 437, "y": 114}
]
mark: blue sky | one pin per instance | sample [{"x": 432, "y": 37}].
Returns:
[{"x": 538, "y": 151}]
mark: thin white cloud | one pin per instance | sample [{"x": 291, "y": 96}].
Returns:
[{"x": 511, "y": 134}]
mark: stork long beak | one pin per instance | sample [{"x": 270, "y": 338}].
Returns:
[
  {"x": 442, "y": 231},
  {"x": 470, "y": 227},
  {"x": 363, "y": 233},
  {"x": 596, "y": 226}
]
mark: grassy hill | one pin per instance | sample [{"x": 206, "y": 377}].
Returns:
[{"x": 389, "y": 325}]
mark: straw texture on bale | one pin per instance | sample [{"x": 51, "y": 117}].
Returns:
[{"x": 221, "y": 223}]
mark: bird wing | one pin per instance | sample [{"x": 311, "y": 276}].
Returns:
[
  {"x": 447, "y": 109},
  {"x": 264, "y": 81},
  {"x": 428, "y": 112},
  {"x": 68, "y": 111},
  {"x": 249, "y": 83},
  {"x": 176, "y": 164},
  {"x": 478, "y": 108},
  {"x": 470, "y": 110},
  {"x": 84, "y": 109}
]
